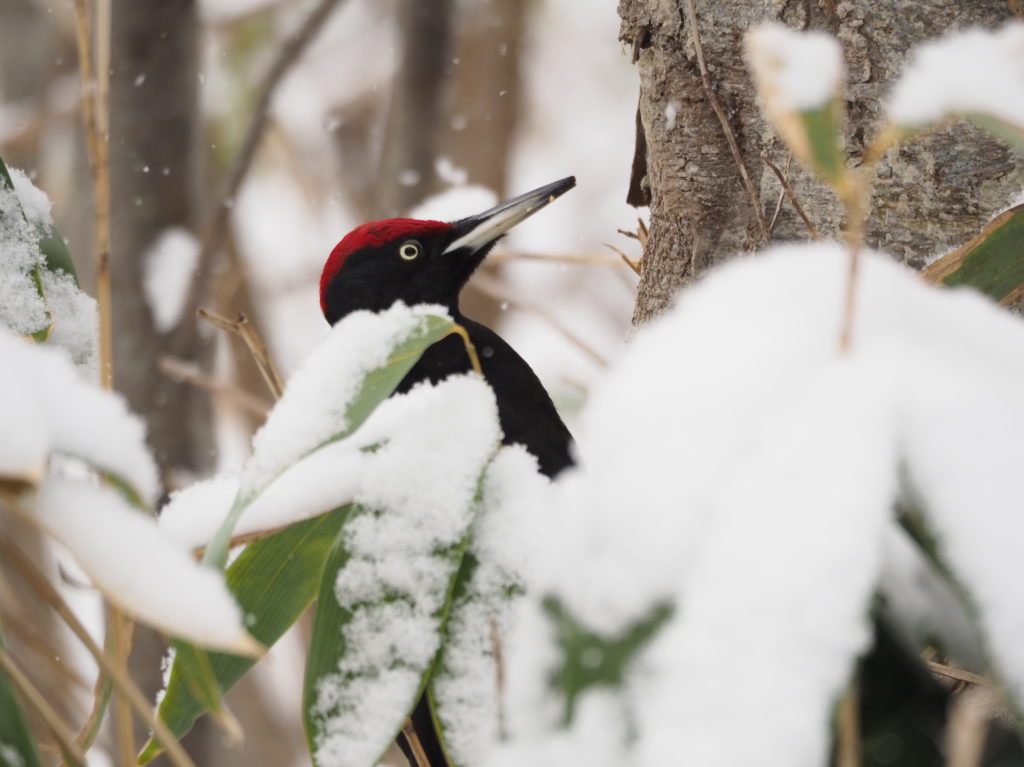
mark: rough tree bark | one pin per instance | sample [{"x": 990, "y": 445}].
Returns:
[{"x": 931, "y": 195}]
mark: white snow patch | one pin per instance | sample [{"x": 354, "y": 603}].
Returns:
[
  {"x": 671, "y": 113},
  {"x": 758, "y": 504},
  {"x": 169, "y": 266},
  {"x": 417, "y": 499},
  {"x": 25, "y": 437},
  {"x": 75, "y": 319},
  {"x": 795, "y": 71},
  {"x": 22, "y": 309},
  {"x": 975, "y": 71},
  {"x": 34, "y": 202},
  {"x": 508, "y": 530},
  {"x": 66, "y": 413},
  {"x": 315, "y": 403},
  {"x": 139, "y": 568}
]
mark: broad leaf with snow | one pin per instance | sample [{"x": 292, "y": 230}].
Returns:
[
  {"x": 359, "y": 364},
  {"x": 335, "y": 442},
  {"x": 764, "y": 519},
  {"x": 467, "y": 683},
  {"x": 975, "y": 73},
  {"x": 50, "y": 455},
  {"x": 388, "y": 586},
  {"x": 39, "y": 293}
]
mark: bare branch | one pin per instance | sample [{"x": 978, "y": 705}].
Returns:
[
  {"x": 243, "y": 328},
  {"x": 186, "y": 372},
  {"x": 792, "y": 196}
]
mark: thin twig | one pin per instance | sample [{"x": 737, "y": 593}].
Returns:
[
  {"x": 788, "y": 190},
  {"x": 95, "y": 120},
  {"x": 852, "y": 194},
  {"x": 782, "y": 195},
  {"x": 186, "y": 372},
  {"x": 419, "y": 755},
  {"x": 244, "y": 329},
  {"x": 126, "y": 686},
  {"x": 216, "y": 224},
  {"x": 730, "y": 137},
  {"x": 953, "y": 672},
  {"x": 848, "y": 730},
  {"x": 968, "y": 725},
  {"x": 580, "y": 259},
  {"x": 634, "y": 265},
  {"x": 497, "y": 651},
  {"x": 496, "y": 290},
  {"x": 35, "y": 699}
]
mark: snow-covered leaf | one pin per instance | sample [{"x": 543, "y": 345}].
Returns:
[
  {"x": 763, "y": 512},
  {"x": 359, "y": 364},
  {"x": 388, "y": 586},
  {"x": 274, "y": 580},
  {"x": 799, "y": 79},
  {"x": 992, "y": 261},
  {"x": 138, "y": 568},
  {"x": 976, "y": 73},
  {"x": 39, "y": 293},
  {"x": 50, "y": 408},
  {"x": 465, "y": 687}
]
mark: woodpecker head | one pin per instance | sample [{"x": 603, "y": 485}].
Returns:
[{"x": 419, "y": 262}]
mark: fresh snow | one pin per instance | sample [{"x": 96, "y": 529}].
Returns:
[
  {"x": 75, "y": 320},
  {"x": 314, "y": 406},
  {"x": 22, "y": 309},
  {"x": 139, "y": 568},
  {"x": 976, "y": 71},
  {"x": 72, "y": 413},
  {"x": 169, "y": 265},
  {"x": 760, "y": 505},
  {"x": 795, "y": 71},
  {"x": 467, "y": 686},
  {"x": 72, "y": 314},
  {"x": 25, "y": 438},
  {"x": 417, "y": 499}
]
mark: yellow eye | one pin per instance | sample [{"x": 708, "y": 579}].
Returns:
[{"x": 409, "y": 250}]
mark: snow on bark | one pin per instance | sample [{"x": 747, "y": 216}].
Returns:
[
  {"x": 796, "y": 71},
  {"x": 169, "y": 266}
]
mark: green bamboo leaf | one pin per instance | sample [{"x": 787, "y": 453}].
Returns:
[
  {"x": 58, "y": 257},
  {"x": 992, "y": 261},
  {"x": 589, "y": 659},
  {"x": 823, "y": 140},
  {"x": 376, "y": 386},
  {"x": 274, "y": 580},
  {"x": 347, "y": 666},
  {"x": 17, "y": 746}
]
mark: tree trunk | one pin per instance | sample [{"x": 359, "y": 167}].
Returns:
[
  {"x": 930, "y": 196},
  {"x": 154, "y": 185},
  {"x": 154, "y": 157}
]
